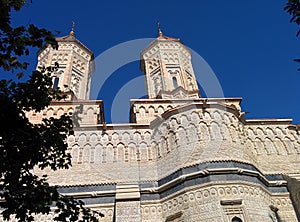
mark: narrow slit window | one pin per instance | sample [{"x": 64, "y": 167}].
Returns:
[
  {"x": 175, "y": 83},
  {"x": 55, "y": 82}
]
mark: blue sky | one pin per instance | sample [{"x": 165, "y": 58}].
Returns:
[{"x": 250, "y": 45}]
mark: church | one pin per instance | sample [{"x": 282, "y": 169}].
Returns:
[{"x": 181, "y": 157}]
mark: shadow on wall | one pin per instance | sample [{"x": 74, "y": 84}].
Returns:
[{"x": 293, "y": 185}]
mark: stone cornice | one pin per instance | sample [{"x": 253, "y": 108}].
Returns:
[
  {"x": 268, "y": 121},
  {"x": 213, "y": 171},
  {"x": 188, "y": 177},
  {"x": 76, "y": 102}
]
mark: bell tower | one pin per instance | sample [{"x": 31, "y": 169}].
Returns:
[
  {"x": 76, "y": 66},
  {"x": 168, "y": 70}
]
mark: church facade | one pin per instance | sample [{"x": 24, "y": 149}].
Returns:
[{"x": 181, "y": 157}]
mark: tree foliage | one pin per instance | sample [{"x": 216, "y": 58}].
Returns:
[
  {"x": 24, "y": 145},
  {"x": 292, "y": 7}
]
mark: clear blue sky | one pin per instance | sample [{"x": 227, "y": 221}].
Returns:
[{"x": 250, "y": 45}]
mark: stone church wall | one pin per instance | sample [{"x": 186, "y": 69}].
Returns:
[
  {"x": 83, "y": 113},
  {"x": 149, "y": 152},
  {"x": 221, "y": 202},
  {"x": 276, "y": 146}
]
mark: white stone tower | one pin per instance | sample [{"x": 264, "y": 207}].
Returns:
[
  {"x": 168, "y": 70},
  {"x": 76, "y": 66}
]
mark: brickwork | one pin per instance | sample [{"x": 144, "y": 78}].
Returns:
[
  {"x": 87, "y": 113},
  {"x": 181, "y": 140},
  {"x": 249, "y": 201}
]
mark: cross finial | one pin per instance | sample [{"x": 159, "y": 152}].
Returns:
[
  {"x": 159, "y": 30},
  {"x": 72, "y": 33}
]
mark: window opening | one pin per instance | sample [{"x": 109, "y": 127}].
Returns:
[
  {"x": 55, "y": 83},
  {"x": 175, "y": 83}
]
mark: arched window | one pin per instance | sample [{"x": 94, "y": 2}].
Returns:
[
  {"x": 236, "y": 219},
  {"x": 175, "y": 83},
  {"x": 55, "y": 82}
]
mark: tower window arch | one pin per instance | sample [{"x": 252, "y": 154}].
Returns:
[
  {"x": 175, "y": 83},
  {"x": 236, "y": 219}
]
